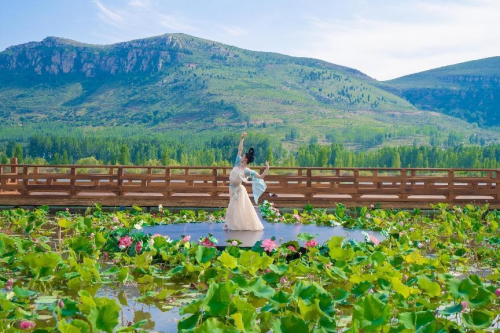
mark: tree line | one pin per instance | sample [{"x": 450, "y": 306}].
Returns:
[{"x": 221, "y": 150}]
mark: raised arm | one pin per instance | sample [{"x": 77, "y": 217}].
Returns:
[
  {"x": 261, "y": 176},
  {"x": 240, "y": 147}
]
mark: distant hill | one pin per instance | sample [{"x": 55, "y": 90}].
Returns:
[
  {"x": 469, "y": 91},
  {"x": 181, "y": 82}
]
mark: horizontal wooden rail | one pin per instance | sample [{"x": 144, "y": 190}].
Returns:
[{"x": 198, "y": 186}]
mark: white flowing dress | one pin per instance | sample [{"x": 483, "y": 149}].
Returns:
[{"x": 240, "y": 214}]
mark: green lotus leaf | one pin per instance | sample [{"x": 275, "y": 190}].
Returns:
[
  {"x": 23, "y": 293},
  {"x": 42, "y": 264},
  {"x": 416, "y": 320},
  {"x": 146, "y": 279},
  {"x": 281, "y": 299},
  {"x": 252, "y": 261},
  {"x": 227, "y": 260},
  {"x": 306, "y": 291},
  {"x": 477, "y": 319},
  {"x": 192, "y": 307},
  {"x": 432, "y": 288},
  {"x": 214, "y": 325},
  {"x": 281, "y": 269},
  {"x": 465, "y": 288},
  {"x": 189, "y": 324},
  {"x": 105, "y": 315},
  {"x": 361, "y": 288},
  {"x": 371, "y": 313},
  {"x": 339, "y": 295},
  {"x": 246, "y": 317},
  {"x": 341, "y": 254},
  {"x": 205, "y": 254},
  {"x": 378, "y": 257},
  {"x": 399, "y": 287},
  {"x": 143, "y": 260},
  {"x": 340, "y": 273},
  {"x": 326, "y": 325},
  {"x": 218, "y": 298},
  {"x": 384, "y": 284},
  {"x": 260, "y": 289},
  {"x": 64, "y": 223},
  {"x": 123, "y": 274},
  {"x": 483, "y": 298},
  {"x": 457, "y": 308},
  {"x": 290, "y": 324}
]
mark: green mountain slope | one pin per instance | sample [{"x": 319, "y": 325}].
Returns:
[
  {"x": 181, "y": 82},
  {"x": 470, "y": 90}
]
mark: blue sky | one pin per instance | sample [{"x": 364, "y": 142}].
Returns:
[{"x": 383, "y": 38}]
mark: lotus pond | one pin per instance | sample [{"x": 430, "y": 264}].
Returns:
[{"x": 98, "y": 272}]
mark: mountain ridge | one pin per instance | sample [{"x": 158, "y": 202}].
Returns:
[{"x": 181, "y": 81}]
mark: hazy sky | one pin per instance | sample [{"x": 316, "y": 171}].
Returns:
[{"x": 382, "y": 38}]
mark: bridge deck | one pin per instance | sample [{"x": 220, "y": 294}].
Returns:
[{"x": 208, "y": 186}]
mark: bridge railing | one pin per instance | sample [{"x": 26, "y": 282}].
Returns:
[{"x": 208, "y": 186}]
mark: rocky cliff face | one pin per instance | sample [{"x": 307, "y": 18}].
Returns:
[{"x": 61, "y": 56}]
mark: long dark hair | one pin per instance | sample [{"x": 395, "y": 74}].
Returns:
[{"x": 250, "y": 155}]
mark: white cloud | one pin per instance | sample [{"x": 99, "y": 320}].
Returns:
[
  {"x": 233, "y": 30},
  {"x": 108, "y": 16},
  {"x": 436, "y": 34},
  {"x": 175, "y": 23}
]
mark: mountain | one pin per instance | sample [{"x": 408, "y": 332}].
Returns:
[
  {"x": 470, "y": 90},
  {"x": 181, "y": 82}
]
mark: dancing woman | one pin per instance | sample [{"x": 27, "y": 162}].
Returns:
[{"x": 240, "y": 213}]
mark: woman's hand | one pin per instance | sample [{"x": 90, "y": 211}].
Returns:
[
  {"x": 267, "y": 165},
  {"x": 243, "y": 135}
]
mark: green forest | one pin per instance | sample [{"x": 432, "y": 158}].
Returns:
[{"x": 75, "y": 147}]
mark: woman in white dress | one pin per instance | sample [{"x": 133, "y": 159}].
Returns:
[{"x": 240, "y": 213}]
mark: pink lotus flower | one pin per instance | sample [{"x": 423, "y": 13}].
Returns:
[
  {"x": 115, "y": 219},
  {"x": 283, "y": 280},
  {"x": 186, "y": 239},
  {"x": 374, "y": 239},
  {"x": 464, "y": 305},
  {"x": 297, "y": 217},
  {"x": 267, "y": 270},
  {"x": 60, "y": 304},
  {"x": 26, "y": 325},
  {"x": 401, "y": 223},
  {"x": 268, "y": 245},
  {"x": 311, "y": 243},
  {"x": 234, "y": 243},
  {"x": 138, "y": 247},
  {"x": 9, "y": 284},
  {"x": 206, "y": 242},
  {"x": 292, "y": 248},
  {"x": 497, "y": 292},
  {"x": 412, "y": 229},
  {"x": 124, "y": 242},
  {"x": 420, "y": 245}
]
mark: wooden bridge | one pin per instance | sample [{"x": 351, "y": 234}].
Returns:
[{"x": 182, "y": 186}]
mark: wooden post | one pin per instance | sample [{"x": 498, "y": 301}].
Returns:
[
  {"x": 13, "y": 169},
  {"x": 403, "y": 195},
  {"x": 25, "y": 180},
  {"x": 497, "y": 184},
  {"x": 72, "y": 181},
  {"x": 214, "y": 182},
  {"x": 309, "y": 184},
  {"x": 356, "y": 195},
  {"x": 120, "y": 181},
  {"x": 451, "y": 186},
  {"x": 166, "y": 192}
]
